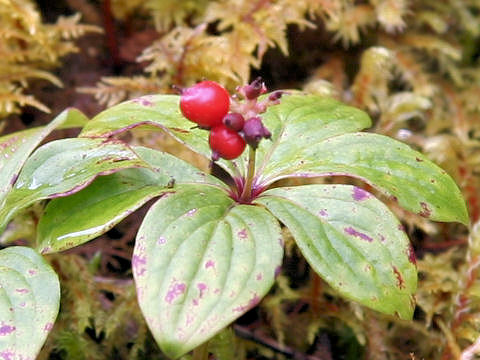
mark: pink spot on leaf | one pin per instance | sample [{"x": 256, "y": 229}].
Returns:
[
  {"x": 259, "y": 276},
  {"x": 251, "y": 303},
  {"x": 278, "y": 270},
  {"x": 48, "y": 326},
  {"x": 210, "y": 264},
  {"x": 138, "y": 264},
  {"x": 191, "y": 212},
  {"x": 202, "y": 287},
  {"x": 323, "y": 213},
  {"x": 32, "y": 272},
  {"x": 242, "y": 234},
  {"x": 22, "y": 291},
  {"x": 175, "y": 290},
  {"x": 6, "y": 330},
  {"x": 360, "y": 194},
  {"x": 7, "y": 355},
  {"x": 142, "y": 101},
  {"x": 351, "y": 231},
  {"x": 161, "y": 240}
]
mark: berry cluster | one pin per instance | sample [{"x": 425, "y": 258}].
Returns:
[{"x": 232, "y": 123}]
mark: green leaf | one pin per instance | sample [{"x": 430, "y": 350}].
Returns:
[
  {"x": 298, "y": 123},
  {"x": 418, "y": 184},
  {"x": 298, "y": 120},
  {"x": 352, "y": 241},
  {"x": 29, "y": 302},
  {"x": 63, "y": 167},
  {"x": 73, "y": 220},
  {"x": 15, "y": 148},
  {"x": 161, "y": 111},
  {"x": 200, "y": 261}
]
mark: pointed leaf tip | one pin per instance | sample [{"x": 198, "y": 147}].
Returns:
[
  {"x": 201, "y": 261},
  {"x": 352, "y": 241}
]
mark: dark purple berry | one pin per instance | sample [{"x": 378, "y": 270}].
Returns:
[
  {"x": 254, "y": 131},
  {"x": 234, "y": 121}
]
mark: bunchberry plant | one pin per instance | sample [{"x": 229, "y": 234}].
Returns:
[{"x": 207, "y": 252}]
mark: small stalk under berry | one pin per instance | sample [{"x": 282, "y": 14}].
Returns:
[{"x": 246, "y": 195}]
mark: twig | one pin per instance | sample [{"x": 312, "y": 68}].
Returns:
[{"x": 247, "y": 334}]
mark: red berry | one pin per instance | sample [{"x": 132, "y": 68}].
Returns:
[
  {"x": 205, "y": 103},
  {"x": 225, "y": 143},
  {"x": 234, "y": 121}
]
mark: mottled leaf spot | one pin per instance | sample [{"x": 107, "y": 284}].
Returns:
[
  {"x": 360, "y": 194},
  {"x": 210, "y": 264},
  {"x": 7, "y": 355},
  {"x": 401, "y": 227},
  {"x": 351, "y": 231},
  {"x": 161, "y": 240},
  {"x": 142, "y": 101},
  {"x": 6, "y": 330},
  {"x": 278, "y": 270},
  {"x": 400, "y": 281},
  {"x": 411, "y": 254},
  {"x": 242, "y": 234},
  {"x": 202, "y": 287},
  {"x": 251, "y": 303},
  {"x": 382, "y": 238},
  {"x": 323, "y": 213},
  {"x": 426, "y": 211},
  {"x": 191, "y": 212},
  {"x": 138, "y": 264},
  {"x": 175, "y": 290}
]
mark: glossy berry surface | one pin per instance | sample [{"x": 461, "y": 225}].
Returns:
[
  {"x": 234, "y": 121},
  {"x": 225, "y": 143},
  {"x": 205, "y": 103}
]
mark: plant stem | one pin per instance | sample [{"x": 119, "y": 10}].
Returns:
[
  {"x": 201, "y": 352},
  {"x": 247, "y": 188}
]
